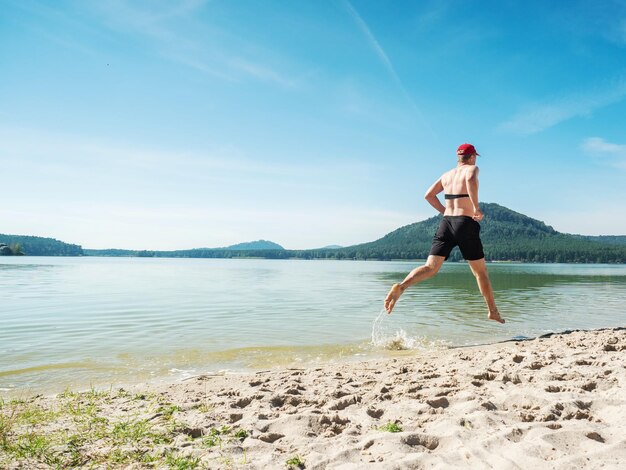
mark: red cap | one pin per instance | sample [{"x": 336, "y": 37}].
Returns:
[{"x": 466, "y": 149}]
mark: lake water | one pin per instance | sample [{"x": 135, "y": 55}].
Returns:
[{"x": 77, "y": 322}]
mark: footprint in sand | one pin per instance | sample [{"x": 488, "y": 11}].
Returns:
[
  {"x": 583, "y": 405},
  {"x": 594, "y": 436},
  {"x": 242, "y": 402},
  {"x": 536, "y": 365},
  {"x": 271, "y": 437},
  {"x": 194, "y": 433},
  {"x": 413, "y": 440},
  {"x": 277, "y": 401},
  {"x": 485, "y": 376},
  {"x": 514, "y": 379},
  {"x": 489, "y": 406},
  {"x": 569, "y": 441},
  {"x": 345, "y": 402},
  {"x": 329, "y": 426},
  {"x": 375, "y": 412},
  {"x": 589, "y": 386},
  {"x": 527, "y": 417},
  {"x": 441, "y": 402}
]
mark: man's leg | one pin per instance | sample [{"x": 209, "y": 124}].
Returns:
[
  {"x": 428, "y": 270},
  {"x": 479, "y": 269}
]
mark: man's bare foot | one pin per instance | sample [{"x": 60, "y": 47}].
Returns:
[
  {"x": 495, "y": 316},
  {"x": 392, "y": 297}
]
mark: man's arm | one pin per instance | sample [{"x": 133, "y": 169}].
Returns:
[
  {"x": 471, "y": 181},
  {"x": 431, "y": 196}
]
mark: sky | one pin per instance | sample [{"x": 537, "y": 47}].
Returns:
[{"x": 184, "y": 124}]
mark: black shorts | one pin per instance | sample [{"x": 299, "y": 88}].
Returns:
[{"x": 458, "y": 230}]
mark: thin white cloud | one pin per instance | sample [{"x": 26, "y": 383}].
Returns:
[
  {"x": 538, "y": 117},
  {"x": 382, "y": 56},
  {"x": 173, "y": 32},
  {"x": 152, "y": 20},
  {"x": 613, "y": 154},
  {"x": 432, "y": 12},
  {"x": 62, "y": 153},
  {"x": 200, "y": 66},
  {"x": 261, "y": 72}
]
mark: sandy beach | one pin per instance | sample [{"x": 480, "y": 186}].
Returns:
[{"x": 556, "y": 402}]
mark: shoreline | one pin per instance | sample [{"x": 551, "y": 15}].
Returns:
[
  {"x": 393, "y": 350},
  {"x": 556, "y": 401},
  {"x": 394, "y": 260}
]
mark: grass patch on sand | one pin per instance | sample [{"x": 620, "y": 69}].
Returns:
[
  {"x": 218, "y": 436},
  {"x": 168, "y": 410},
  {"x": 107, "y": 429},
  {"x": 391, "y": 427},
  {"x": 181, "y": 462},
  {"x": 295, "y": 462}
]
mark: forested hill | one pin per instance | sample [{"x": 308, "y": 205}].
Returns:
[
  {"x": 41, "y": 246},
  {"x": 243, "y": 250},
  {"x": 507, "y": 236},
  {"x": 256, "y": 245},
  {"x": 612, "y": 239}
]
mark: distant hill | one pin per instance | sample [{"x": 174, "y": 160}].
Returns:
[
  {"x": 507, "y": 236},
  {"x": 240, "y": 249},
  {"x": 110, "y": 252},
  {"x": 41, "y": 246},
  {"x": 331, "y": 247},
  {"x": 257, "y": 245}
]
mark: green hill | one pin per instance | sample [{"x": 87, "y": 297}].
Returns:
[
  {"x": 256, "y": 245},
  {"x": 41, "y": 246},
  {"x": 507, "y": 236},
  {"x": 612, "y": 239},
  {"x": 246, "y": 249}
]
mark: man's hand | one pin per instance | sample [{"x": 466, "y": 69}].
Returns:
[{"x": 478, "y": 215}]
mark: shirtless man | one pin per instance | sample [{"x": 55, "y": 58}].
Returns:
[{"x": 459, "y": 226}]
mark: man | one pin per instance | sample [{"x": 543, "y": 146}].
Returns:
[{"x": 459, "y": 226}]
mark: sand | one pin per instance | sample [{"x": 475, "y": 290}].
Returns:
[{"x": 556, "y": 402}]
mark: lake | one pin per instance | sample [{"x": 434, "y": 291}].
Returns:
[{"x": 78, "y": 322}]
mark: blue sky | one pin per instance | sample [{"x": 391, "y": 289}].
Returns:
[{"x": 167, "y": 125}]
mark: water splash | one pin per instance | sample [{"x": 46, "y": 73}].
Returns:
[
  {"x": 396, "y": 341},
  {"x": 399, "y": 340}
]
